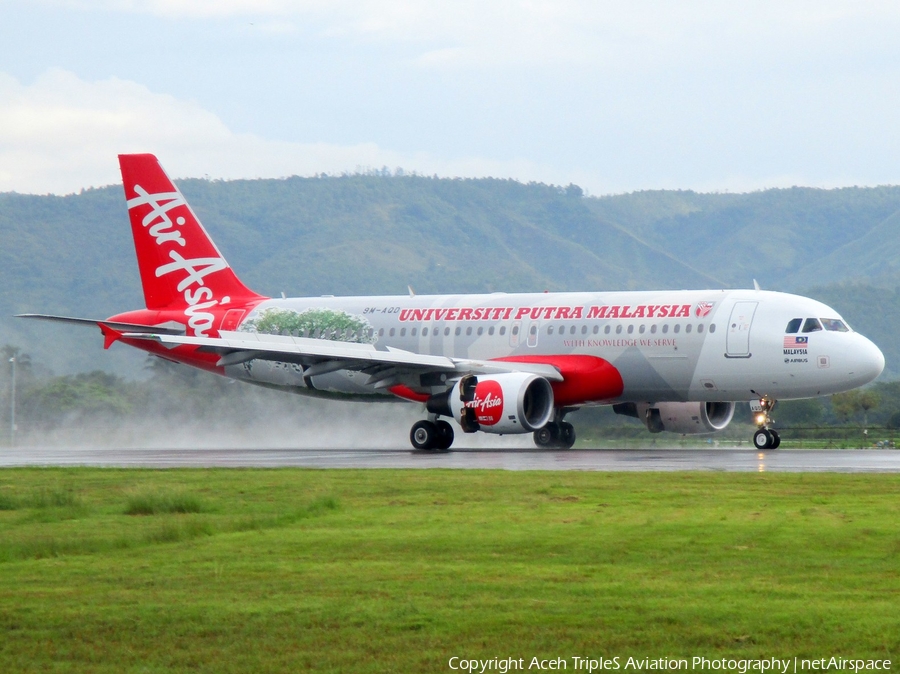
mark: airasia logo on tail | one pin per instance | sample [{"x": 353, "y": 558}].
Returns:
[
  {"x": 198, "y": 297},
  {"x": 162, "y": 228},
  {"x": 488, "y": 403}
]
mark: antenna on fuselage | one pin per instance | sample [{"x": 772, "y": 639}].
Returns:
[
  {"x": 755, "y": 285},
  {"x": 412, "y": 293}
]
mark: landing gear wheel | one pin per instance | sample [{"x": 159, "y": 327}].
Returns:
[
  {"x": 762, "y": 439},
  {"x": 424, "y": 435},
  {"x": 776, "y": 439},
  {"x": 547, "y": 436},
  {"x": 566, "y": 435},
  {"x": 444, "y": 435}
]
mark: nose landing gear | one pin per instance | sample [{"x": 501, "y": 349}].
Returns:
[{"x": 765, "y": 437}]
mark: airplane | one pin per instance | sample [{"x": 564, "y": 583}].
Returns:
[{"x": 494, "y": 363}]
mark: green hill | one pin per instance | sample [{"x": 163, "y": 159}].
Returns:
[
  {"x": 372, "y": 234},
  {"x": 781, "y": 237}
]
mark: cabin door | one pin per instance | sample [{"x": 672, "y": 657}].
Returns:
[{"x": 737, "y": 341}]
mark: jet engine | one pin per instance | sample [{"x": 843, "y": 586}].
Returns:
[
  {"x": 684, "y": 418},
  {"x": 516, "y": 402}
]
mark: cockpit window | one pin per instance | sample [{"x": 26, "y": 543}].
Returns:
[
  {"x": 793, "y": 326},
  {"x": 835, "y": 325},
  {"x": 812, "y": 325}
]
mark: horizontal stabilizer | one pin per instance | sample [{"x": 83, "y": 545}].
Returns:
[{"x": 115, "y": 325}]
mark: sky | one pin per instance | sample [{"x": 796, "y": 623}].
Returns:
[{"x": 614, "y": 96}]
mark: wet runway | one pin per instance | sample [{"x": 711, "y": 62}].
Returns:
[{"x": 843, "y": 461}]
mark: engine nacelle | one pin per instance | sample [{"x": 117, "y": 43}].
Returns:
[
  {"x": 516, "y": 402},
  {"x": 685, "y": 418}
]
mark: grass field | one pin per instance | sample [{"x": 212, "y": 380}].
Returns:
[{"x": 107, "y": 570}]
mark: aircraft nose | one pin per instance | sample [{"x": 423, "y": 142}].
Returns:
[{"x": 870, "y": 360}]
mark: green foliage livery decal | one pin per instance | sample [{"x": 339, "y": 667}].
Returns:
[{"x": 319, "y": 323}]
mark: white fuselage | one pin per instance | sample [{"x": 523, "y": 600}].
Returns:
[{"x": 697, "y": 345}]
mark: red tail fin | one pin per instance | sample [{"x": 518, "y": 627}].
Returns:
[{"x": 181, "y": 268}]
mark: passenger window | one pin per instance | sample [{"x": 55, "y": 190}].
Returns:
[
  {"x": 468, "y": 331},
  {"x": 653, "y": 329},
  {"x": 792, "y": 326},
  {"x": 491, "y": 330},
  {"x": 446, "y": 332},
  {"x": 572, "y": 330},
  {"x": 676, "y": 328},
  {"x": 835, "y": 325},
  {"x": 641, "y": 329},
  {"x": 812, "y": 325},
  {"x": 392, "y": 332},
  {"x": 502, "y": 330},
  {"x": 413, "y": 332},
  {"x": 583, "y": 329},
  {"x": 549, "y": 329},
  {"x": 533, "y": 330},
  {"x": 606, "y": 330},
  {"x": 630, "y": 329},
  {"x": 515, "y": 330},
  {"x": 480, "y": 331},
  {"x": 700, "y": 328},
  {"x": 403, "y": 332},
  {"x": 618, "y": 329},
  {"x": 665, "y": 328},
  {"x": 596, "y": 329},
  {"x": 712, "y": 327},
  {"x": 424, "y": 332},
  {"x": 458, "y": 331},
  {"x": 687, "y": 328}
]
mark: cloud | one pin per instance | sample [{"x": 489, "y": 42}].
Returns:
[
  {"x": 177, "y": 9},
  {"x": 614, "y": 35},
  {"x": 611, "y": 95},
  {"x": 61, "y": 134}
]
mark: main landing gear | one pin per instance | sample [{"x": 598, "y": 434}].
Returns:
[
  {"x": 429, "y": 434},
  {"x": 557, "y": 434},
  {"x": 437, "y": 434},
  {"x": 765, "y": 437}
]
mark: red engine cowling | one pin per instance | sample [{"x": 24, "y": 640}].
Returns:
[
  {"x": 685, "y": 418},
  {"x": 516, "y": 402}
]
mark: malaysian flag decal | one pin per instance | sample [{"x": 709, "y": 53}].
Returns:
[
  {"x": 796, "y": 342},
  {"x": 703, "y": 309}
]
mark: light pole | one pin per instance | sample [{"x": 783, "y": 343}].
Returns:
[{"x": 12, "y": 405}]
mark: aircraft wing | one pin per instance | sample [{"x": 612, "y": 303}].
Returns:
[{"x": 386, "y": 365}]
